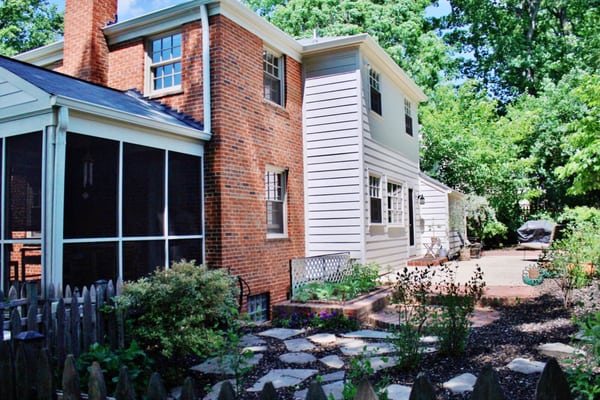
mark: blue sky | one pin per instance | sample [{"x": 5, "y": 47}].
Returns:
[{"x": 132, "y": 8}]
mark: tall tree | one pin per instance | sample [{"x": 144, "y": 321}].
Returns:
[
  {"x": 27, "y": 24},
  {"x": 398, "y": 26},
  {"x": 513, "y": 45}
]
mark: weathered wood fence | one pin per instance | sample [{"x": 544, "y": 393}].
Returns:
[
  {"x": 63, "y": 324},
  {"x": 29, "y": 376}
]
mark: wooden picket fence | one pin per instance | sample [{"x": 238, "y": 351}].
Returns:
[
  {"x": 29, "y": 375},
  {"x": 65, "y": 323}
]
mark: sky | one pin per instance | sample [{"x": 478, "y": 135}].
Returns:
[{"x": 133, "y": 8}]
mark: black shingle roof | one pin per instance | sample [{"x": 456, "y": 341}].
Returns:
[{"x": 130, "y": 101}]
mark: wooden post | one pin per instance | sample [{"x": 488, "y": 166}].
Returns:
[
  {"x": 7, "y": 366},
  {"x": 70, "y": 380}
]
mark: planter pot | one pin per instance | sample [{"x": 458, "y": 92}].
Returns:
[{"x": 465, "y": 254}]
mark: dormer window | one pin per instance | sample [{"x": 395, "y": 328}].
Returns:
[
  {"x": 408, "y": 120},
  {"x": 273, "y": 77},
  {"x": 375, "y": 91},
  {"x": 165, "y": 63}
]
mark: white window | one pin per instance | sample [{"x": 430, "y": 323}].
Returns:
[
  {"x": 395, "y": 202},
  {"x": 273, "y": 77},
  {"x": 408, "y": 120},
  {"x": 375, "y": 91},
  {"x": 375, "y": 199},
  {"x": 165, "y": 63},
  {"x": 275, "y": 193}
]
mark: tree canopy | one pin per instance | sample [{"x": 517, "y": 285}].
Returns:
[{"x": 27, "y": 24}]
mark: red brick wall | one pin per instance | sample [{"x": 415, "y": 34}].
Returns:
[
  {"x": 249, "y": 133},
  {"x": 85, "y": 49}
]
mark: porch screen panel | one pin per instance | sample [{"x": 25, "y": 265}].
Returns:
[
  {"x": 185, "y": 249},
  {"x": 185, "y": 194},
  {"x": 143, "y": 190},
  {"x": 91, "y": 185},
  {"x": 85, "y": 263},
  {"x": 141, "y": 258}
]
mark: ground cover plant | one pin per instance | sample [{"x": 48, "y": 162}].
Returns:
[{"x": 359, "y": 280}]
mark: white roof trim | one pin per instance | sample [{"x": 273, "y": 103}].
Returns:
[
  {"x": 43, "y": 56},
  {"x": 375, "y": 54},
  {"x": 129, "y": 118}
]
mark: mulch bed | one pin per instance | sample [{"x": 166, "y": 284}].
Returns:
[{"x": 517, "y": 333}]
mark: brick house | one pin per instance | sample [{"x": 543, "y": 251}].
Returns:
[{"x": 225, "y": 151}]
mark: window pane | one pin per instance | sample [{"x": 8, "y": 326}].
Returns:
[
  {"x": 142, "y": 258},
  {"x": 185, "y": 194},
  {"x": 274, "y": 216},
  {"x": 23, "y": 262},
  {"x": 375, "y": 210},
  {"x": 24, "y": 186},
  {"x": 189, "y": 249},
  {"x": 143, "y": 190},
  {"x": 91, "y": 180},
  {"x": 85, "y": 263}
]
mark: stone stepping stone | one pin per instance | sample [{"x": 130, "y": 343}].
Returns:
[
  {"x": 255, "y": 349},
  {"x": 332, "y": 390},
  {"x": 461, "y": 383},
  {"x": 323, "y": 338},
  {"x": 379, "y": 363},
  {"x": 297, "y": 345},
  {"x": 281, "y": 333},
  {"x": 222, "y": 366},
  {"x": 252, "y": 340},
  {"x": 297, "y": 358},
  {"x": 368, "y": 334},
  {"x": 214, "y": 393},
  {"x": 428, "y": 339},
  {"x": 334, "y": 376},
  {"x": 526, "y": 366},
  {"x": 283, "y": 378},
  {"x": 333, "y": 361},
  {"x": 398, "y": 392},
  {"x": 558, "y": 350},
  {"x": 368, "y": 348}
]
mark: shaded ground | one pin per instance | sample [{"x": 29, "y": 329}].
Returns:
[{"x": 517, "y": 333}]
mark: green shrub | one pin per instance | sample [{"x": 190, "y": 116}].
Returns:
[
  {"x": 182, "y": 310},
  {"x": 584, "y": 376},
  {"x": 138, "y": 364},
  {"x": 325, "y": 320}
]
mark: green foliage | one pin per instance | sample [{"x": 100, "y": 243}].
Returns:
[
  {"x": 481, "y": 219},
  {"x": 233, "y": 358},
  {"x": 359, "y": 280},
  {"x": 360, "y": 369},
  {"x": 583, "y": 375},
  {"x": 27, "y": 24},
  {"x": 182, "y": 310},
  {"x": 451, "y": 321},
  {"x": 411, "y": 297},
  {"x": 138, "y": 364}
]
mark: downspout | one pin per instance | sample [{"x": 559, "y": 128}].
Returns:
[
  {"x": 206, "y": 68},
  {"x": 207, "y": 102}
]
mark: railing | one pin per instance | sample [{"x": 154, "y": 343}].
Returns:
[{"x": 324, "y": 268}]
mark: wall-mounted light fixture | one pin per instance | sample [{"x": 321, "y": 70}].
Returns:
[{"x": 421, "y": 199}]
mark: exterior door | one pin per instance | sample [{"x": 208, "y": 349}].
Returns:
[{"x": 411, "y": 222}]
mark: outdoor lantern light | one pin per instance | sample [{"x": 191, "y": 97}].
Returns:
[
  {"x": 421, "y": 199},
  {"x": 524, "y": 204}
]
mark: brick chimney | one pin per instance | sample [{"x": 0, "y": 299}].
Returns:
[{"x": 85, "y": 53}]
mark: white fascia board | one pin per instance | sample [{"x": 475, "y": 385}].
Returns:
[
  {"x": 43, "y": 56},
  {"x": 173, "y": 17},
  {"x": 130, "y": 118},
  {"x": 376, "y": 55},
  {"x": 441, "y": 186}
]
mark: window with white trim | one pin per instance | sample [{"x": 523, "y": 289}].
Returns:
[
  {"x": 275, "y": 194},
  {"x": 375, "y": 199},
  {"x": 165, "y": 63},
  {"x": 395, "y": 202},
  {"x": 375, "y": 90},
  {"x": 408, "y": 120},
  {"x": 273, "y": 73}
]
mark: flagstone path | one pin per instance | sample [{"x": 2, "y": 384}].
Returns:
[{"x": 369, "y": 343}]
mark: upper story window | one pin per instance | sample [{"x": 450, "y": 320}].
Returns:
[
  {"x": 408, "y": 120},
  {"x": 375, "y": 91},
  {"x": 395, "y": 200},
  {"x": 275, "y": 193},
  {"x": 375, "y": 199},
  {"x": 165, "y": 62},
  {"x": 273, "y": 77}
]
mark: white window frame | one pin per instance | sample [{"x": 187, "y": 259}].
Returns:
[
  {"x": 273, "y": 60},
  {"x": 151, "y": 66},
  {"x": 282, "y": 198},
  {"x": 395, "y": 203},
  {"x": 408, "y": 114},
  {"x": 375, "y": 85},
  {"x": 376, "y": 192}
]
